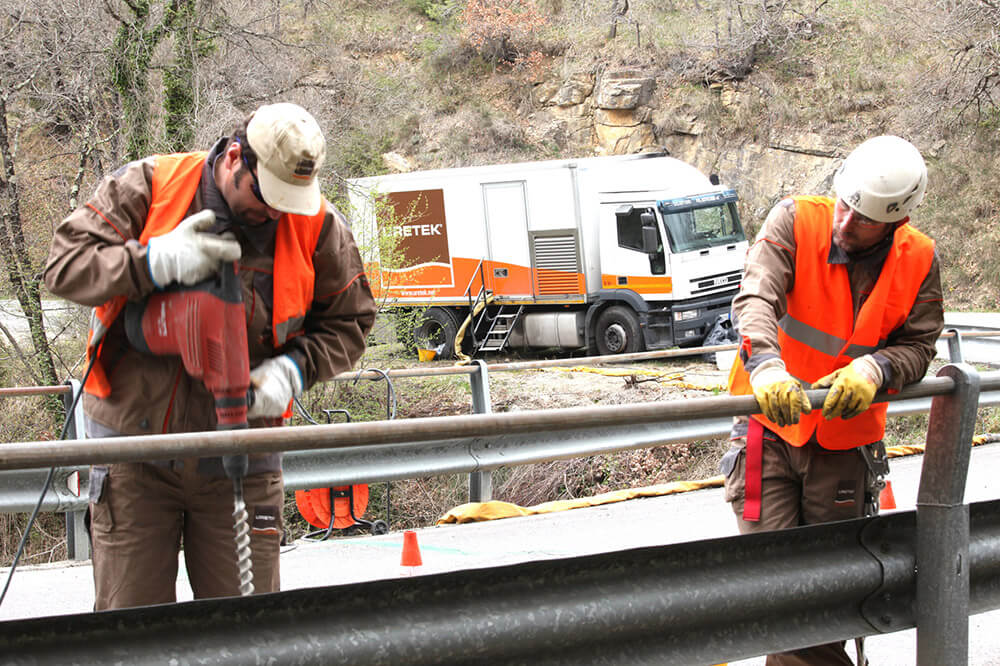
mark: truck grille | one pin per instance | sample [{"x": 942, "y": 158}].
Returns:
[
  {"x": 719, "y": 282},
  {"x": 557, "y": 263}
]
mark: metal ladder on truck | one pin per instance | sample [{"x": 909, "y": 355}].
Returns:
[
  {"x": 490, "y": 330},
  {"x": 500, "y": 324}
]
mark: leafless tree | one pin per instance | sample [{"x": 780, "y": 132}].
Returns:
[
  {"x": 49, "y": 112},
  {"x": 971, "y": 78},
  {"x": 745, "y": 31}
]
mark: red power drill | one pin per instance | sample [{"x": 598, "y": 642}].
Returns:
[{"x": 205, "y": 324}]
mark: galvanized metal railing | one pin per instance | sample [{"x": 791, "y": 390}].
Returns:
[
  {"x": 312, "y": 468},
  {"x": 698, "y": 602}
]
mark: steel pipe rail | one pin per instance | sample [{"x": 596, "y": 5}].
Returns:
[
  {"x": 585, "y": 360},
  {"x": 461, "y": 369},
  {"x": 411, "y": 457},
  {"x": 698, "y": 602},
  {"x": 20, "y": 455},
  {"x": 325, "y": 467},
  {"x": 23, "y": 391}
]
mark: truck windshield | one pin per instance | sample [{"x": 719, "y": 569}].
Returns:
[{"x": 691, "y": 226}]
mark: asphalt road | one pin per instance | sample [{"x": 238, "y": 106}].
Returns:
[{"x": 65, "y": 589}]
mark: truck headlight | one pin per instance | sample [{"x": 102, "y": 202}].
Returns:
[{"x": 686, "y": 315}]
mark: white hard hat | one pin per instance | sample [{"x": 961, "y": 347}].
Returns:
[{"x": 884, "y": 179}]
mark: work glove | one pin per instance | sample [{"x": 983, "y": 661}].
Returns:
[
  {"x": 852, "y": 388},
  {"x": 188, "y": 255},
  {"x": 275, "y": 382},
  {"x": 780, "y": 396}
]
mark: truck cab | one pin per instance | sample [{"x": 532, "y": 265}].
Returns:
[{"x": 683, "y": 256}]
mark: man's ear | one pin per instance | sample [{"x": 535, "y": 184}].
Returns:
[{"x": 233, "y": 151}]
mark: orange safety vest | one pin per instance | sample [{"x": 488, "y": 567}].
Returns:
[
  {"x": 175, "y": 181},
  {"x": 819, "y": 333}
]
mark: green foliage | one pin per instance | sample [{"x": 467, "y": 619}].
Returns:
[
  {"x": 191, "y": 44},
  {"x": 440, "y": 11},
  {"x": 361, "y": 152},
  {"x": 130, "y": 60},
  {"x": 404, "y": 322},
  {"x": 446, "y": 56}
]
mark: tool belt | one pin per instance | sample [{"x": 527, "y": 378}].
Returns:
[
  {"x": 873, "y": 454},
  {"x": 878, "y": 468}
]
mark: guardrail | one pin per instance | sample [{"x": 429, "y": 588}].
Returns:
[
  {"x": 304, "y": 469},
  {"x": 693, "y": 602}
]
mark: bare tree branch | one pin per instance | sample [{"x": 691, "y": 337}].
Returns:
[{"x": 25, "y": 361}]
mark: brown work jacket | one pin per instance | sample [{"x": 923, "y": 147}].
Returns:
[{"x": 95, "y": 255}]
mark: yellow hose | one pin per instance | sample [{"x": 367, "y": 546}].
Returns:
[{"x": 463, "y": 359}]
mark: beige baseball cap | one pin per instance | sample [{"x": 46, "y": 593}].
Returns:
[{"x": 290, "y": 150}]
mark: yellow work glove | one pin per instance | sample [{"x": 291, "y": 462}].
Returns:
[
  {"x": 780, "y": 396},
  {"x": 852, "y": 388}
]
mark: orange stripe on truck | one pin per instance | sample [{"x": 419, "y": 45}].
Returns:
[
  {"x": 639, "y": 284},
  {"x": 430, "y": 281}
]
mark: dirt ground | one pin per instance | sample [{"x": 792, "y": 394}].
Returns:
[{"x": 575, "y": 384}]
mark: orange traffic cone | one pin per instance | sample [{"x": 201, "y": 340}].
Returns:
[
  {"x": 411, "y": 553},
  {"x": 886, "y": 500}
]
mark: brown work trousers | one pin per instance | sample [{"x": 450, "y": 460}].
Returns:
[
  {"x": 142, "y": 513},
  {"x": 801, "y": 486}
]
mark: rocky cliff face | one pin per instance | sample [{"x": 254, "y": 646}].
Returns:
[
  {"x": 588, "y": 110},
  {"x": 619, "y": 112}
]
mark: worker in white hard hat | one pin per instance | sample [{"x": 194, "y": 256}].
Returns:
[{"x": 840, "y": 293}]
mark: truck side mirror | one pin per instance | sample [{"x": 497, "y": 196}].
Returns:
[{"x": 650, "y": 237}]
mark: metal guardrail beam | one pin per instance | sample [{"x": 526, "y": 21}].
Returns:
[
  {"x": 411, "y": 458},
  {"x": 697, "y": 602},
  {"x": 725, "y": 598},
  {"x": 20, "y": 455},
  {"x": 318, "y": 468}
]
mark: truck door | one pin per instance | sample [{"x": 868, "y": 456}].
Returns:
[
  {"x": 508, "y": 269},
  {"x": 632, "y": 250}
]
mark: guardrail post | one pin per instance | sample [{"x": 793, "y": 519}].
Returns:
[
  {"x": 481, "y": 483},
  {"x": 955, "y": 346},
  {"x": 943, "y": 523},
  {"x": 77, "y": 540}
]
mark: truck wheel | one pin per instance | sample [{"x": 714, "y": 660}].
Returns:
[
  {"x": 618, "y": 331},
  {"x": 437, "y": 329}
]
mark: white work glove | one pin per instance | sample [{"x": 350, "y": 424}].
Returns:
[
  {"x": 780, "y": 396},
  {"x": 275, "y": 382},
  {"x": 188, "y": 255}
]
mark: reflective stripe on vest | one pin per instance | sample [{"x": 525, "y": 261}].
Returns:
[
  {"x": 175, "y": 182},
  {"x": 820, "y": 332}
]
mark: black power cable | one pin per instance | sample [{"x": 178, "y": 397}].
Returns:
[{"x": 45, "y": 488}]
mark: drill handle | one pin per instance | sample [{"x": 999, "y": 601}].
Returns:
[{"x": 236, "y": 466}]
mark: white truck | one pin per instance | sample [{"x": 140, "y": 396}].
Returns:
[{"x": 612, "y": 254}]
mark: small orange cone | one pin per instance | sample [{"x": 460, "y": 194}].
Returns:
[
  {"x": 411, "y": 551},
  {"x": 886, "y": 500}
]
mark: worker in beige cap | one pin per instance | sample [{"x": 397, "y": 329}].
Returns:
[{"x": 253, "y": 198}]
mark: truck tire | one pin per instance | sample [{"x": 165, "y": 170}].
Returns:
[
  {"x": 437, "y": 329},
  {"x": 618, "y": 331}
]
